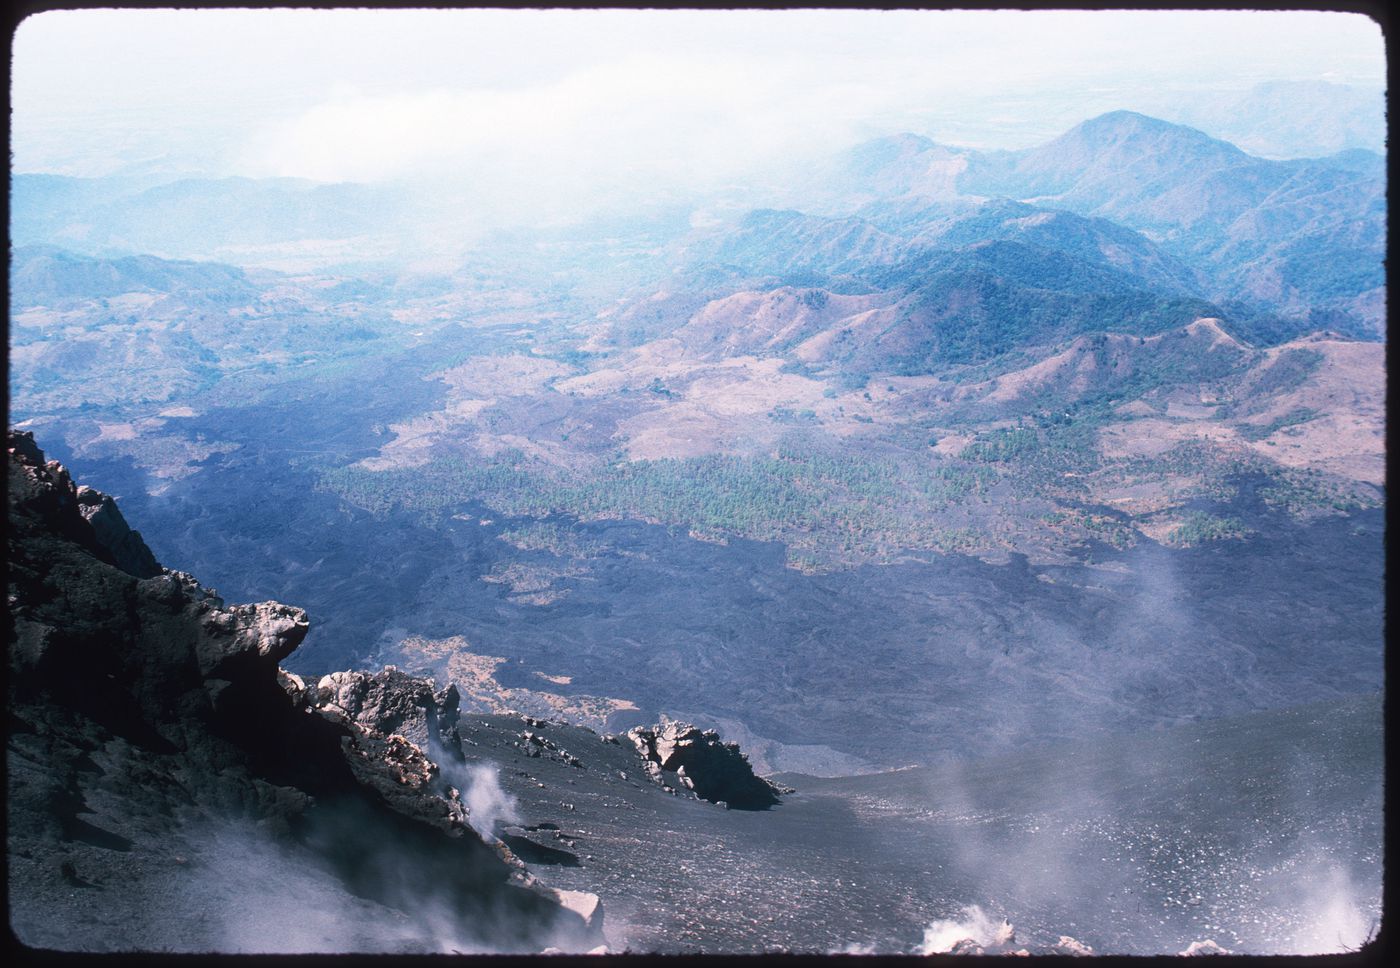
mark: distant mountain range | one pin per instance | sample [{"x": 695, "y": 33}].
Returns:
[
  {"x": 1292, "y": 236},
  {"x": 926, "y": 256},
  {"x": 1304, "y": 239},
  {"x": 46, "y": 275},
  {"x": 1291, "y": 119}
]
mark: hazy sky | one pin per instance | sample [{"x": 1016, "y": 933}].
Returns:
[{"x": 579, "y": 97}]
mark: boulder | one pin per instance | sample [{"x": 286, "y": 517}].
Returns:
[
  {"x": 1069, "y": 946},
  {"x": 389, "y": 702},
  {"x": 585, "y": 905},
  {"x": 680, "y": 754}
]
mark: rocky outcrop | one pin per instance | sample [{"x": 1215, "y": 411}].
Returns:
[
  {"x": 127, "y": 548},
  {"x": 392, "y": 702},
  {"x": 535, "y": 744},
  {"x": 1069, "y": 946},
  {"x": 701, "y": 762},
  {"x": 170, "y": 787},
  {"x": 42, "y": 489}
]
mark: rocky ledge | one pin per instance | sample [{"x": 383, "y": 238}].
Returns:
[{"x": 172, "y": 788}]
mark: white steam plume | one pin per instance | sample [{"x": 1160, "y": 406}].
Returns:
[
  {"x": 488, "y": 806},
  {"x": 975, "y": 925},
  {"x": 1333, "y": 920}
]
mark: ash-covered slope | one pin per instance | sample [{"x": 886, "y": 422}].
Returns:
[
  {"x": 170, "y": 788},
  {"x": 1261, "y": 834}
]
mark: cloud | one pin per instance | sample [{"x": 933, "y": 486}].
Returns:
[
  {"x": 577, "y": 143},
  {"x": 590, "y": 97}
]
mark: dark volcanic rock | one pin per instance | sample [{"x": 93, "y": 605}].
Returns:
[
  {"x": 128, "y": 550},
  {"x": 41, "y": 489},
  {"x": 702, "y": 762},
  {"x": 170, "y": 787}
]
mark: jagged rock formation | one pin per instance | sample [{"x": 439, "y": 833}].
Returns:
[
  {"x": 171, "y": 788},
  {"x": 129, "y": 552},
  {"x": 701, "y": 762},
  {"x": 392, "y": 702}
]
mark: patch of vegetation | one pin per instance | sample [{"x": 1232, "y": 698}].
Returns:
[
  {"x": 547, "y": 536},
  {"x": 1305, "y": 491},
  {"x": 1289, "y": 371},
  {"x": 1300, "y": 415},
  {"x": 574, "y": 357},
  {"x": 1110, "y": 530},
  {"x": 958, "y": 541},
  {"x": 835, "y": 505},
  {"x": 801, "y": 368},
  {"x": 1008, "y": 444},
  {"x": 1332, "y": 274},
  {"x": 1200, "y": 527},
  {"x": 1047, "y": 452},
  {"x": 852, "y": 380},
  {"x": 1191, "y": 469}
]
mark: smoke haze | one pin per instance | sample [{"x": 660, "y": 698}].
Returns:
[{"x": 553, "y": 115}]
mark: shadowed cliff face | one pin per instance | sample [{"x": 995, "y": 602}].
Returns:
[{"x": 170, "y": 788}]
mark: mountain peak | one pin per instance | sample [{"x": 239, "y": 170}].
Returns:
[
  {"x": 1105, "y": 162},
  {"x": 1122, "y": 127},
  {"x": 1122, "y": 118}
]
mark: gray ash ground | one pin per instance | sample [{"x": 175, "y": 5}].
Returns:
[{"x": 1262, "y": 833}]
